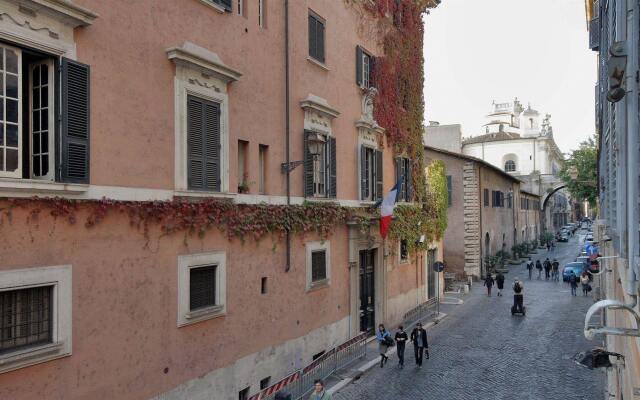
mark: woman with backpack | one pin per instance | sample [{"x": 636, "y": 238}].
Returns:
[
  {"x": 384, "y": 341},
  {"x": 500, "y": 283},
  {"x": 539, "y": 268},
  {"x": 488, "y": 282}
]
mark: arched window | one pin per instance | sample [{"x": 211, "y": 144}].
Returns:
[{"x": 510, "y": 166}]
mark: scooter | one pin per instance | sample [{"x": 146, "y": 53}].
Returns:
[{"x": 514, "y": 308}]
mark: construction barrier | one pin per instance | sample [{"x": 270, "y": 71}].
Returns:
[
  {"x": 301, "y": 382},
  {"x": 420, "y": 312}
]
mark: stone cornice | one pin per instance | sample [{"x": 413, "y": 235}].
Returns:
[
  {"x": 208, "y": 62},
  {"x": 320, "y": 105},
  {"x": 65, "y": 10}
]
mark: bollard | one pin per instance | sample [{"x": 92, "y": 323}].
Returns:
[{"x": 466, "y": 289}]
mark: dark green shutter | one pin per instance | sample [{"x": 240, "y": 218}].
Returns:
[
  {"x": 203, "y": 144},
  {"x": 372, "y": 71},
  {"x": 378, "y": 171},
  {"x": 359, "y": 65},
  {"x": 409, "y": 180},
  {"x": 75, "y": 133},
  {"x": 332, "y": 168},
  {"x": 399, "y": 175},
  {"x": 364, "y": 190},
  {"x": 312, "y": 36},
  {"x": 449, "y": 190},
  {"x": 308, "y": 166},
  {"x": 320, "y": 35}
]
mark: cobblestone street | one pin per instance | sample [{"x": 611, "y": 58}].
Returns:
[{"x": 481, "y": 352}]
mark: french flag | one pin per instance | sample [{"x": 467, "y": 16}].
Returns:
[{"x": 386, "y": 210}]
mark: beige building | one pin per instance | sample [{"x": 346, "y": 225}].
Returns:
[
  {"x": 176, "y": 178},
  {"x": 488, "y": 212}
]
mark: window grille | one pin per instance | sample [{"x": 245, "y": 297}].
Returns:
[
  {"x": 25, "y": 317},
  {"x": 202, "y": 287},
  {"x": 318, "y": 266}
]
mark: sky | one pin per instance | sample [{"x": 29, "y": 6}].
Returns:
[{"x": 477, "y": 51}]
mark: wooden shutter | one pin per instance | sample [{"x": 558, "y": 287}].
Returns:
[
  {"x": 75, "y": 135},
  {"x": 332, "y": 168},
  {"x": 313, "y": 41},
  {"x": 449, "y": 190},
  {"x": 359, "y": 65},
  {"x": 399, "y": 174},
  {"x": 320, "y": 36},
  {"x": 364, "y": 191},
  {"x": 203, "y": 144},
  {"x": 378, "y": 172},
  {"x": 226, "y": 4},
  {"x": 409, "y": 180},
  {"x": 308, "y": 166},
  {"x": 372, "y": 70}
]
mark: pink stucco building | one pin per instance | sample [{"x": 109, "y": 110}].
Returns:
[{"x": 160, "y": 100}]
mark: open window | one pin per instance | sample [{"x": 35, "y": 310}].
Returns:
[{"x": 32, "y": 144}]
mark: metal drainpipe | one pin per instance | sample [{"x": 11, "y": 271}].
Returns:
[
  {"x": 287, "y": 127},
  {"x": 482, "y": 249}
]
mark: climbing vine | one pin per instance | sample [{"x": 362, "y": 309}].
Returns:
[{"x": 242, "y": 221}]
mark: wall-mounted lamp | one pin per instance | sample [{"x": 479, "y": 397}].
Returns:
[{"x": 315, "y": 143}]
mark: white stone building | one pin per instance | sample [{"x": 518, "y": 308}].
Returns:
[{"x": 520, "y": 141}]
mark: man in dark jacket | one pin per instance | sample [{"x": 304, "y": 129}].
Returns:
[
  {"x": 547, "y": 269},
  {"x": 500, "y": 283},
  {"x": 419, "y": 340},
  {"x": 555, "y": 270},
  {"x": 539, "y": 268},
  {"x": 401, "y": 340},
  {"x": 488, "y": 282}
]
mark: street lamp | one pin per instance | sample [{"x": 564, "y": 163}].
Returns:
[{"x": 315, "y": 143}]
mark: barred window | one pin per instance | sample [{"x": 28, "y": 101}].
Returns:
[
  {"x": 318, "y": 266},
  {"x": 202, "y": 287},
  {"x": 25, "y": 317},
  {"x": 404, "y": 250}
]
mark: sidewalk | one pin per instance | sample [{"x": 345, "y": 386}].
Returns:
[{"x": 356, "y": 370}]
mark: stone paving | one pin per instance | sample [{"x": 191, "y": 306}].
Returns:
[{"x": 481, "y": 352}]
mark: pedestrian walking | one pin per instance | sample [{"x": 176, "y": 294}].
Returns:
[
  {"x": 319, "y": 393},
  {"x": 584, "y": 280},
  {"x": 548, "y": 247},
  {"x": 500, "y": 283},
  {"x": 547, "y": 269},
  {"x": 553, "y": 246},
  {"x": 530, "y": 268},
  {"x": 518, "y": 295},
  {"x": 573, "y": 282},
  {"x": 401, "y": 341},
  {"x": 555, "y": 270},
  {"x": 383, "y": 337},
  {"x": 539, "y": 268},
  {"x": 419, "y": 340},
  {"x": 488, "y": 282}
]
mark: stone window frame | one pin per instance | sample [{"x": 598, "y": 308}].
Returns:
[
  {"x": 60, "y": 278},
  {"x": 311, "y": 247},
  {"x": 201, "y": 73},
  {"x": 187, "y": 317}
]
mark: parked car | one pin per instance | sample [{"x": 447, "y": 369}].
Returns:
[
  {"x": 588, "y": 237},
  {"x": 575, "y": 268},
  {"x": 564, "y": 237}
]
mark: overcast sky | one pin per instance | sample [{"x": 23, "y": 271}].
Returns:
[{"x": 536, "y": 50}]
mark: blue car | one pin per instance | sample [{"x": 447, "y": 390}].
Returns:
[{"x": 575, "y": 268}]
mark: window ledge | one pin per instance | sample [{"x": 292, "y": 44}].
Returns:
[
  {"x": 318, "y": 63},
  {"x": 404, "y": 262},
  {"x": 36, "y": 186},
  {"x": 317, "y": 285},
  {"x": 198, "y": 194},
  {"x": 31, "y": 355},
  {"x": 204, "y": 314},
  {"x": 213, "y": 5}
]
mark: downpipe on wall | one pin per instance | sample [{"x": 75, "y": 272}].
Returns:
[{"x": 287, "y": 127}]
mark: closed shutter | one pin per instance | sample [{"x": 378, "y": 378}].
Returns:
[
  {"x": 75, "y": 133},
  {"x": 318, "y": 266},
  {"x": 332, "y": 168},
  {"x": 449, "y": 190},
  {"x": 203, "y": 144},
  {"x": 226, "y": 4},
  {"x": 359, "y": 65},
  {"x": 409, "y": 179},
  {"x": 364, "y": 181},
  {"x": 378, "y": 179},
  {"x": 308, "y": 166},
  {"x": 313, "y": 40},
  {"x": 320, "y": 35}
]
